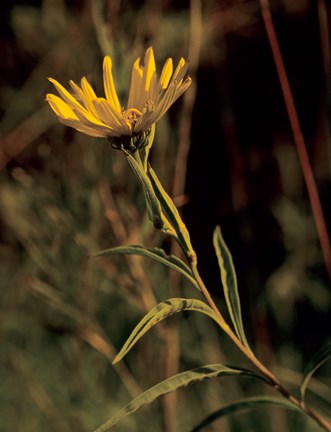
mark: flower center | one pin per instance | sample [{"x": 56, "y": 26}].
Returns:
[{"x": 131, "y": 116}]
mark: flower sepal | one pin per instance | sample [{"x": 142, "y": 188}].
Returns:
[{"x": 131, "y": 143}]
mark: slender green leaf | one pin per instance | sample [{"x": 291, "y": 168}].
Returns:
[
  {"x": 229, "y": 282},
  {"x": 152, "y": 202},
  {"x": 177, "y": 381},
  {"x": 244, "y": 405},
  {"x": 156, "y": 254},
  {"x": 146, "y": 149},
  {"x": 172, "y": 214},
  {"x": 159, "y": 313},
  {"x": 323, "y": 355}
]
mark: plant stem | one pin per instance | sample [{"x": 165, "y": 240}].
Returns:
[
  {"x": 274, "y": 382},
  {"x": 299, "y": 140},
  {"x": 247, "y": 352}
]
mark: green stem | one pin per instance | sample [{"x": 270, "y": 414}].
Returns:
[
  {"x": 274, "y": 382},
  {"x": 137, "y": 157},
  {"x": 248, "y": 353},
  {"x": 185, "y": 243}
]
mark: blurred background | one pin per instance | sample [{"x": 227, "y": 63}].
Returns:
[{"x": 225, "y": 152}]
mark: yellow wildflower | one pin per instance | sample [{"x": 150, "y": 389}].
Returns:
[{"x": 149, "y": 99}]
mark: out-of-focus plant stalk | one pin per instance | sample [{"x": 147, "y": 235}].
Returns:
[
  {"x": 172, "y": 358},
  {"x": 189, "y": 98},
  {"x": 324, "y": 35},
  {"x": 324, "y": 32},
  {"x": 306, "y": 167}
]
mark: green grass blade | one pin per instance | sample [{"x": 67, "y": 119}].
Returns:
[
  {"x": 156, "y": 254},
  {"x": 244, "y": 405},
  {"x": 229, "y": 282},
  {"x": 323, "y": 355},
  {"x": 160, "y": 312},
  {"x": 177, "y": 381}
]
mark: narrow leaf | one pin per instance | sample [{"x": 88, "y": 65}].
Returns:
[
  {"x": 229, "y": 282},
  {"x": 177, "y": 381},
  {"x": 146, "y": 149},
  {"x": 156, "y": 254},
  {"x": 159, "y": 313},
  {"x": 172, "y": 214},
  {"x": 244, "y": 405},
  {"x": 152, "y": 202},
  {"x": 323, "y": 355}
]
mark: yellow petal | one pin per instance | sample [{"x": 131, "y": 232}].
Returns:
[
  {"x": 66, "y": 96},
  {"x": 149, "y": 68},
  {"x": 88, "y": 130},
  {"x": 138, "y": 68},
  {"x": 136, "y": 85},
  {"x": 111, "y": 117},
  {"x": 109, "y": 85},
  {"x": 179, "y": 73},
  {"x": 180, "y": 66},
  {"x": 87, "y": 89},
  {"x": 78, "y": 91},
  {"x": 60, "y": 108},
  {"x": 90, "y": 96},
  {"x": 152, "y": 93},
  {"x": 172, "y": 94},
  {"x": 83, "y": 98},
  {"x": 81, "y": 112},
  {"x": 166, "y": 74},
  {"x": 164, "y": 104}
]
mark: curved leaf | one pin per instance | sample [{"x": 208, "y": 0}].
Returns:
[
  {"x": 323, "y": 355},
  {"x": 156, "y": 254},
  {"x": 244, "y": 405},
  {"x": 177, "y": 381},
  {"x": 229, "y": 282},
  {"x": 159, "y": 313}
]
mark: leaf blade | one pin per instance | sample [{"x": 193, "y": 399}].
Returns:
[
  {"x": 230, "y": 285},
  {"x": 156, "y": 254},
  {"x": 152, "y": 202},
  {"x": 160, "y": 312},
  {"x": 320, "y": 357},
  {"x": 146, "y": 149},
  {"x": 173, "y": 383},
  {"x": 244, "y": 405},
  {"x": 172, "y": 214}
]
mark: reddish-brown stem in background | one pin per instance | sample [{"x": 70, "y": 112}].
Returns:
[{"x": 298, "y": 137}]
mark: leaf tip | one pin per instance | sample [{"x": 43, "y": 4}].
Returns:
[{"x": 116, "y": 360}]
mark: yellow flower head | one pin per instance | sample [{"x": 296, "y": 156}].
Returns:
[{"x": 149, "y": 98}]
